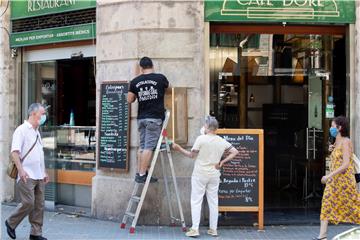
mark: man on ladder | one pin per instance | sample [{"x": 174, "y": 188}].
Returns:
[{"x": 149, "y": 89}]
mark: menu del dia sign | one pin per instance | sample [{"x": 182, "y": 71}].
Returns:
[{"x": 300, "y": 11}]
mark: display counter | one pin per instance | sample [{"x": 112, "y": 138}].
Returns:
[{"x": 70, "y": 153}]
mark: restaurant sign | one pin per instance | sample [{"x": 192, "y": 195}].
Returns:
[
  {"x": 54, "y": 35},
  {"x": 31, "y": 8},
  {"x": 300, "y": 11}
]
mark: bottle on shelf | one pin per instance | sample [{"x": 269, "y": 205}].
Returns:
[{"x": 72, "y": 118}]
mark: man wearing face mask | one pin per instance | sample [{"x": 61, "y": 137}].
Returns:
[{"x": 32, "y": 176}]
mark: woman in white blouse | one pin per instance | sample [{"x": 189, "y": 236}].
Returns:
[{"x": 208, "y": 150}]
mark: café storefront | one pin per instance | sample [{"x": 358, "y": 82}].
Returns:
[{"x": 282, "y": 66}]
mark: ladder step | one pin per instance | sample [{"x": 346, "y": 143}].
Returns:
[
  {"x": 130, "y": 214},
  {"x": 135, "y": 198},
  {"x": 176, "y": 219}
]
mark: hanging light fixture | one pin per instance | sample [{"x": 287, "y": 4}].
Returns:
[{"x": 252, "y": 98}]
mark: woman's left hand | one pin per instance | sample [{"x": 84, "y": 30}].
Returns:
[
  {"x": 219, "y": 165},
  {"x": 325, "y": 179}
]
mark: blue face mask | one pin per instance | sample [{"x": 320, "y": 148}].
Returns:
[
  {"x": 334, "y": 132},
  {"x": 42, "y": 119}
]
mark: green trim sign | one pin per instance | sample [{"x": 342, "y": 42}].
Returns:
[
  {"x": 54, "y": 35},
  {"x": 31, "y": 8},
  {"x": 300, "y": 11}
]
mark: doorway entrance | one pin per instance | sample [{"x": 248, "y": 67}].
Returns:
[
  {"x": 289, "y": 81},
  {"x": 67, "y": 87}
]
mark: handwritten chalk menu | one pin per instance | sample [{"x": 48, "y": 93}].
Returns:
[
  {"x": 239, "y": 178},
  {"x": 241, "y": 186},
  {"x": 114, "y": 126}
]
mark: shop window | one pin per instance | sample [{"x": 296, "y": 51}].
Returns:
[
  {"x": 248, "y": 70},
  {"x": 282, "y": 83}
]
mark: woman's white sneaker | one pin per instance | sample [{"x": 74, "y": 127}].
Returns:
[
  {"x": 192, "y": 233},
  {"x": 212, "y": 232}
]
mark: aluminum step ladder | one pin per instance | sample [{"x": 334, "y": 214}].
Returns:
[{"x": 162, "y": 148}]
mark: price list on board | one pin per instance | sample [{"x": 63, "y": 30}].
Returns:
[{"x": 114, "y": 126}]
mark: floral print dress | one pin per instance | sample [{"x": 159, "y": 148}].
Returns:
[{"x": 341, "y": 199}]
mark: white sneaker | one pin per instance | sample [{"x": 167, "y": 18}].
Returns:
[
  {"x": 192, "y": 233},
  {"x": 212, "y": 232}
]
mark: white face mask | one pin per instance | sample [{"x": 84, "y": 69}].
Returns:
[
  {"x": 202, "y": 131},
  {"x": 42, "y": 120}
]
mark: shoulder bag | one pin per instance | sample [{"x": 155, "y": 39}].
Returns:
[{"x": 12, "y": 170}]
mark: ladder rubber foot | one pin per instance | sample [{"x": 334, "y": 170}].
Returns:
[
  {"x": 122, "y": 226},
  {"x": 184, "y": 229},
  {"x": 132, "y": 230}
]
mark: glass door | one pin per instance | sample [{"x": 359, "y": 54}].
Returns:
[
  {"x": 42, "y": 88},
  {"x": 314, "y": 139}
]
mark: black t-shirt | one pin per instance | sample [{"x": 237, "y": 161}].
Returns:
[{"x": 150, "y": 90}]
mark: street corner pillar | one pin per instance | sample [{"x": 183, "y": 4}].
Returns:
[
  {"x": 9, "y": 101},
  {"x": 172, "y": 34},
  {"x": 355, "y": 109}
]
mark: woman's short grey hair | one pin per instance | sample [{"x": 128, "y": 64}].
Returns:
[
  {"x": 34, "y": 107},
  {"x": 211, "y": 123}
]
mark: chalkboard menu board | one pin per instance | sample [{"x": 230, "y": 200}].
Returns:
[
  {"x": 113, "y": 146},
  {"x": 241, "y": 186}
]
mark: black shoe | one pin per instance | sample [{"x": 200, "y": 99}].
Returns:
[
  {"x": 33, "y": 237},
  {"x": 152, "y": 179},
  {"x": 142, "y": 179},
  {"x": 137, "y": 176},
  {"x": 10, "y": 231}
]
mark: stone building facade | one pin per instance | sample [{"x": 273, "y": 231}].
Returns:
[
  {"x": 9, "y": 96},
  {"x": 176, "y": 36},
  {"x": 172, "y": 33}
]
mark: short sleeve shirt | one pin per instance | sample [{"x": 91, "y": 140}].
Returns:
[
  {"x": 23, "y": 139},
  {"x": 210, "y": 150},
  {"x": 150, "y": 91}
]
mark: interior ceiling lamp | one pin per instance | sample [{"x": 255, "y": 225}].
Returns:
[
  {"x": 298, "y": 77},
  {"x": 77, "y": 55},
  {"x": 252, "y": 98}
]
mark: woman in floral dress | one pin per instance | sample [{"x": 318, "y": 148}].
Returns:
[{"x": 341, "y": 200}]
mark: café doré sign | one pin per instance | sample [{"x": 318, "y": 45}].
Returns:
[{"x": 331, "y": 11}]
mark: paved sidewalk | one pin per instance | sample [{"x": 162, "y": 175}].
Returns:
[{"x": 60, "y": 226}]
